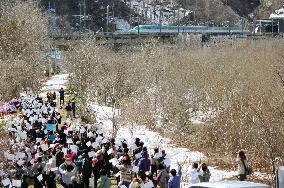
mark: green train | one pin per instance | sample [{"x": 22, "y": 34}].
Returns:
[{"x": 188, "y": 29}]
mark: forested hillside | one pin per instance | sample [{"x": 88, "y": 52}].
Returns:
[
  {"x": 195, "y": 11},
  {"x": 68, "y": 12}
]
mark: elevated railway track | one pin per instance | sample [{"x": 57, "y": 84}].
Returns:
[{"x": 120, "y": 39}]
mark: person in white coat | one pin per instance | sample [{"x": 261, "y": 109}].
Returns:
[
  {"x": 193, "y": 174},
  {"x": 242, "y": 163},
  {"x": 68, "y": 172}
]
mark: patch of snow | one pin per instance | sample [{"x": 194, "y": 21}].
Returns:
[
  {"x": 199, "y": 116},
  {"x": 155, "y": 12},
  {"x": 263, "y": 176},
  {"x": 122, "y": 25},
  {"x": 153, "y": 139},
  {"x": 55, "y": 83},
  {"x": 103, "y": 113}
]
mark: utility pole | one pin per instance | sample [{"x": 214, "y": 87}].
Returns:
[
  {"x": 49, "y": 7},
  {"x": 84, "y": 29},
  {"x": 83, "y": 17},
  {"x": 146, "y": 11},
  {"x": 243, "y": 24},
  {"x": 80, "y": 19},
  {"x": 160, "y": 17},
  {"x": 138, "y": 25},
  {"x": 195, "y": 10},
  {"x": 178, "y": 20},
  {"x": 49, "y": 18},
  {"x": 112, "y": 9},
  {"x": 143, "y": 9},
  {"x": 154, "y": 11},
  {"x": 107, "y": 17}
]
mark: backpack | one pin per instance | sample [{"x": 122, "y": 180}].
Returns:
[
  {"x": 161, "y": 159},
  {"x": 248, "y": 169}
]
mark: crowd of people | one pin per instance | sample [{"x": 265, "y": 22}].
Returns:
[
  {"x": 47, "y": 151},
  {"x": 10, "y": 107}
]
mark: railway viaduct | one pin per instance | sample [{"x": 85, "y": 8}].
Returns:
[{"x": 64, "y": 42}]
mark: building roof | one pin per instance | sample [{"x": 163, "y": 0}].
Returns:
[{"x": 278, "y": 14}]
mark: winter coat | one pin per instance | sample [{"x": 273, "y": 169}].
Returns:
[
  {"x": 125, "y": 173},
  {"x": 67, "y": 176},
  {"x": 174, "y": 181},
  {"x": 62, "y": 136},
  {"x": 86, "y": 168},
  {"x": 104, "y": 182},
  {"x": 51, "y": 137},
  {"x": 61, "y": 92},
  {"x": 97, "y": 166},
  {"x": 50, "y": 164},
  {"x": 204, "y": 176},
  {"x": 163, "y": 178},
  {"x": 144, "y": 164},
  {"x": 241, "y": 168},
  {"x": 50, "y": 180},
  {"x": 147, "y": 184},
  {"x": 73, "y": 106},
  {"x": 156, "y": 159},
  {"x": 59, "y": 158},
  {"x": 68, "y": 108},
  {"x": 193, "y": 176}
]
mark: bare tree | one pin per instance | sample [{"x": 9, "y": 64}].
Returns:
[
  {"x": 219, "y": 99},
  {"x": 23, "y": 38}
]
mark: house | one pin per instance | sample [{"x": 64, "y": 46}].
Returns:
[
  {"x": 278, "y": 18},
  {"x": 275, "y": 23}
]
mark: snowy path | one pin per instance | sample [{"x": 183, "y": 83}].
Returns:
[
  {"x": 151, "y": 139},
  {"x": 55, "y": 83}
]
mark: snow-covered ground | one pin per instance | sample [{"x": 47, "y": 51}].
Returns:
[
  {"x": 122, "y": 25},
  {"x": 154, "y": 11},
  {"x": 151, "y": 139},
  {"x": 55, "y": 83}
]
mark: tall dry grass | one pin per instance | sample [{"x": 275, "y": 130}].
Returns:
[{"x": 234, "y": 88}]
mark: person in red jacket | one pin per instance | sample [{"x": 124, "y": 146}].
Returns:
[{"x": 98, "y": 165}]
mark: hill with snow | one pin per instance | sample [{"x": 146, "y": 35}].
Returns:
[{"x": 91, "y": 15}]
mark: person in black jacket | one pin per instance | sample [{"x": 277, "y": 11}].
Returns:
[
  {"x": 85, "y": 170},
  {"x": 62, "y": 136},
  {"x": 50, "y": 180},
  {"x": 107, "y": 158},
  {"x": 59, "y": 157},
  {"x": 61, "y": 96},
  {"x": 73, "y": 108},
  {"x": 68, "y": 109}
]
